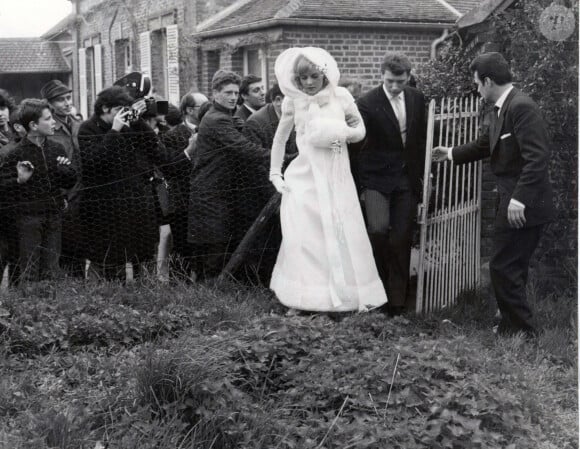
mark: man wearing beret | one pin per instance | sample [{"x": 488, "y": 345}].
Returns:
[{"x": 59, "y": 97}]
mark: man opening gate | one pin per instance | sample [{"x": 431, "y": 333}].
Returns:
[{"x": 450, "y": 212}]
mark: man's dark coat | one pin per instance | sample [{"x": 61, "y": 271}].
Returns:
[
  {"x": 243, "y": 112},
  {"x": 261, "y": 127},
  {"x": 518, "y": 146},
  {"x": 118, "y": 206},
  {"x": 176, "y": 141},
  {"x": 228, "y": 183},
  {"x": 381, "y": 161}
]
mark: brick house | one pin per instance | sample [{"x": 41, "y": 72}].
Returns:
[
  {"x": 180, "y": 43},
  {"x": 27, "y": 64},
  {"x": 114, "y": 37},
  {"x": 249, "y": 35}
]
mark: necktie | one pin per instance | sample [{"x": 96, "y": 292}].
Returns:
[
  {"x": 494, "y": 121},
  {"x": 399, "y": 110}
]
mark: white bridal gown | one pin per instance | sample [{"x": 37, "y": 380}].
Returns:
[{"x": 325, "y": 261}]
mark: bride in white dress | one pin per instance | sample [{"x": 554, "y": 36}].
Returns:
[{"x": 325, "y": 261}]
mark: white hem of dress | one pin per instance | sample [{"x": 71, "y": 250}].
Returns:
[{"x": 295, "y": 295}]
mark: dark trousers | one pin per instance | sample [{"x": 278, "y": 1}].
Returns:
[
  {"x": 72, "y": 259},
  {"x": 513, "y": 249},
  {"x": 39, "y": 245},
  {"x": 209, "y": 259},
  {"x": 9, "y": 248},
  {"x": 183, "y": 251},
  {"x": 389, "y": 219}
]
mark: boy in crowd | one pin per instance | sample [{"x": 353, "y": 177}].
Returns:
[
  {"x": 8, "y": 231},
  {"x": 59, "y": 97},
  {"x": 40, "y": 169}
]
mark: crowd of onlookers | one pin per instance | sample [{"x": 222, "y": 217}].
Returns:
[{"x": 130, "y": 185}]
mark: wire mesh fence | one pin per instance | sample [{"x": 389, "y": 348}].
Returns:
[{"x": 141, "y": 205}]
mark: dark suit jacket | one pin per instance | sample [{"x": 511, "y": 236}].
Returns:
[
  {"x": 176, "y": 141},
  {"x": 229, "y": 185},
  {"x": 382, "y": 159},
  {"x": 243, "y": 112},
  {"x": 42, "y": 192},
  {"x": 261, "y": 127},
  {"x": 518, "y": 145}
]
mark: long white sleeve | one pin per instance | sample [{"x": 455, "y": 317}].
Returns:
[
  {"x": 357, "y": 133},
  {"x": 281, "y": 137}
]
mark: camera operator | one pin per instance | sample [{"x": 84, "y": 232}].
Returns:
[{"x": 119, "y": 152}]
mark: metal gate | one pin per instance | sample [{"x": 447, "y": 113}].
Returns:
[{"x": 449, "y": 215}]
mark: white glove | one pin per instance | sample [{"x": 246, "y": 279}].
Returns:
[{"x": 279, "y": 183}]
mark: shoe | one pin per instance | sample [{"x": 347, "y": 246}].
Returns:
[
  {"x": 529, "y": 333},
  {"x": 395, "y": 310}
]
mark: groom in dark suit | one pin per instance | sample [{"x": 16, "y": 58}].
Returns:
[
  {"x": 517, "y": 143},
  {"x": 388, "y": 170}
]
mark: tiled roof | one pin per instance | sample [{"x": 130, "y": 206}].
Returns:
[
  {"x": 60, "y": 26},
  {"x": 418, "y": 11},
  {"x": 482, "y": 11},
  {"x": 31, "y": 56}
]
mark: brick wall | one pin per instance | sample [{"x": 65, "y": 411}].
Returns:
[
  {"x": 358, "y": 52},
  {"x": 210, "y": 63},
  {"x": 111, "y": 21}
]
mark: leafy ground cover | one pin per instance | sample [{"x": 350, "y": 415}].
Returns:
[{"x": 222, "y": 366}]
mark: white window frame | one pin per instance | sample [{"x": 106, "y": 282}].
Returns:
[{"x": 262, "y": 55}]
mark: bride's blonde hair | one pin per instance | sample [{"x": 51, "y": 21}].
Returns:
[{"x": 302, "y": 65}]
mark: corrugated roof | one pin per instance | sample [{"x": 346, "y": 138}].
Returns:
[
  {"x": 419, "y": 11},
  {"x": 31, "y": 56}
]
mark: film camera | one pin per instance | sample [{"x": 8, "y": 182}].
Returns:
[{"x": 139, "y": 87}]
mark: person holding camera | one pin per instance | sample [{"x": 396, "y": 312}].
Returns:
[{"x": 118, "y": 152}]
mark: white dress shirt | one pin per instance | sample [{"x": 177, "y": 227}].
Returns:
[{"x": 398, "y": 105}]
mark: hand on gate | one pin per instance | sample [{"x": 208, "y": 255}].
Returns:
[{"x": 440, "y": 154}]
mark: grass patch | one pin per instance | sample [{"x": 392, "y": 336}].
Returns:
[{"x": 220, "y": 366}]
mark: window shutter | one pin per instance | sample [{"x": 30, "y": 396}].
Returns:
[
  {"x": 145, "y": 50},
  {"x": 173, "y": 64},
  {"x": 84, "y": 106},
  {"x": 98, "y": 52}
]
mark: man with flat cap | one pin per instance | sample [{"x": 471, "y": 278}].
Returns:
[{"x": 59, "y": 97}]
